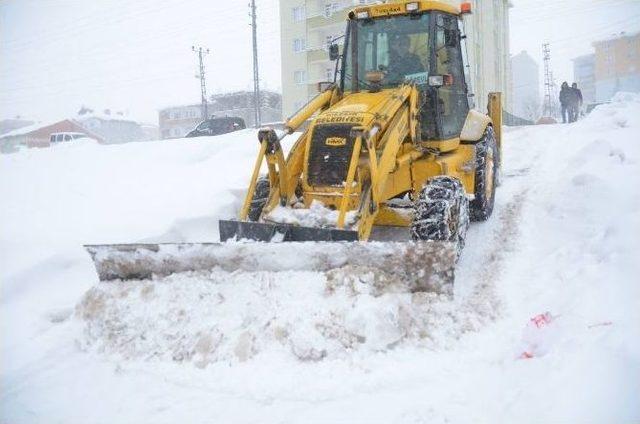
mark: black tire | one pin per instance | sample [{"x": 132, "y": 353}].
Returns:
[
  {"x": 260, "y": 197},
  {"x": 486, "y": 177},
  {"x": 441, "y": 212}
]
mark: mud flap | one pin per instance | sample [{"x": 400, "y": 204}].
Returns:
[
  {"x": 261, "y": 231},
  {"x": 410, "y": 266}
]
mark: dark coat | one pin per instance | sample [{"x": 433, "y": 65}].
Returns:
[
  {"x": 399, "y": 66},
  {"x": 577, "y": 95},
  {"x": 566, "y": 96}
]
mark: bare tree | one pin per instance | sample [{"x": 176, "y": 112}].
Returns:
[{"x": 531, "y": 108}]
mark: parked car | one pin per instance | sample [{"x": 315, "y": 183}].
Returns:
[
  {"x": 66, "y": 136},
  {"x": 217, "y": 126}
]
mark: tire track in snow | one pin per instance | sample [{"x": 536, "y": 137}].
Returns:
[{"x": 489, "y": 244}]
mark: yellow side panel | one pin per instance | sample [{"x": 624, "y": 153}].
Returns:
[
  {"x": 442, "y": 145},
  {"x": 399, "y": 180},
  {"x": 459, "y": 164},
  {"x": 394, "y": 217}
]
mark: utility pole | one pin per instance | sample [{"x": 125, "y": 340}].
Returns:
[
  {"x": 256, "y": 74},
  {"x": 548, "y": 108},
  {"x": 203, "y": 86}
]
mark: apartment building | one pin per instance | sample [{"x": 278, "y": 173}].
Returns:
[
  {"x": 308, "y": 26},
  {"x": 617, "y": 65},
  {"x": 584, "y": 74},
  {"x": 525, "y": 87},
  {"x": 177, "y": 121}
]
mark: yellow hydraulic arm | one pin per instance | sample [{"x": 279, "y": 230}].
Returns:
[
  {"x": 283, "y": 173},
  {"x": 396, "y": 120}
]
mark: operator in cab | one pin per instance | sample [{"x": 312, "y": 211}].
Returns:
[{"x": 401, "y": 61}]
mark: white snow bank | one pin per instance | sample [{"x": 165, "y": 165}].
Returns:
[
  {"x": 220, "y": 316},
  {"x": 563, "y": 239}
]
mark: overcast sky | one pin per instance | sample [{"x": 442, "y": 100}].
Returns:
[{"x": 135, "y": 56}]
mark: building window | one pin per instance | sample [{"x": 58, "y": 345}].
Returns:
[
  {"x": 298, "y": 45},
  {"x": 300, "y": 77},
  {"x": 327, "y": 10},
  {"x": 298, "y": 14}
]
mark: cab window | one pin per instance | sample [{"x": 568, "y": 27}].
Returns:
[
  {"x": 453, "y": 104},
  {"x": 398, "y": 46}
]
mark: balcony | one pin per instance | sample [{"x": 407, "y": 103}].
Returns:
[
  {"x": 321, "y": 20},
  {"x": 317, "y": 55}
]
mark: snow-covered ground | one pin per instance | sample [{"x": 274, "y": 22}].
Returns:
[{"x": 296, "y": 346}]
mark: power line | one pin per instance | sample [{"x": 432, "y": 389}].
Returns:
[
  {"x": 549, "y": 84},
  {"x": 203, "y": 85},
  {"x": 256, "y": 74}
]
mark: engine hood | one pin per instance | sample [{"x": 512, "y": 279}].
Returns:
[{"x": 356, "y": 108}]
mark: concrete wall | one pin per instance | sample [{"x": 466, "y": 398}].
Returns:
[
  {"x": 487, "y": 32},
  {"x": 584, "y": 76},
  {"x": 294, "y": 93},
  {"x": 606, "y": 88},
  {"x": 113, "y": 131},
  {"x": 617, "y": 65},
  {"x": 525, "y": 87},
  {"x": 176, "y": 122}
]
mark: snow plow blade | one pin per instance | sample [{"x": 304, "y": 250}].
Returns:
[
  {"x": 260, "y": 231},
  {"x": 416, "y": 266}
]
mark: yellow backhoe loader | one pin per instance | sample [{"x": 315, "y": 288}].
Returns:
[{"x": 392, "y": 142}]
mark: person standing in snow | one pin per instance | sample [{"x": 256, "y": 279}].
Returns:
[
  {"x": 565, "y": 94},
  {"x": 577, "y": 101}
]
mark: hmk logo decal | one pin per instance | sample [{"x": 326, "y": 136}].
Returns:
[{"x": 336, "y": 141}]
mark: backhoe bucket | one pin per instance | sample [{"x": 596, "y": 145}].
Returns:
[
  {"x": 415, "y": 266},
  {"x": 261, "y": 231}
]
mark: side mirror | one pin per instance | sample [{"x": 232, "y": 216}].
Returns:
[{"x": 334, "y": 52}]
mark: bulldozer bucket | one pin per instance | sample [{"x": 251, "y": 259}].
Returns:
[
  {"x": 261, "y": 231},
  {"x": 417, "y": 266}
]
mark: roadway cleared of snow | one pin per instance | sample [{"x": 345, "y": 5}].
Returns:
[{"x": 292, "y": 347}]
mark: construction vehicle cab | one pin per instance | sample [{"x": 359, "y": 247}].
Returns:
[
  {"x": 392, "y": 143},
  {"x": 421, "y": 47}
]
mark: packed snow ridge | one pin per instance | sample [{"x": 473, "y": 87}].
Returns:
[{"x": 210, "y": 316}]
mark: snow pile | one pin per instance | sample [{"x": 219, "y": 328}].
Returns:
[
  {"x": 229, "y": 347},
  {"x": 82, "y": 193},
  {"x": 214, "y": 316},
  {"x": 317, "y": 215}
]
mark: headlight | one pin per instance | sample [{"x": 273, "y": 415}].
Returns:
[
  {"x": 412, "y": 7},
  {"x": 436, "y": 81}
]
